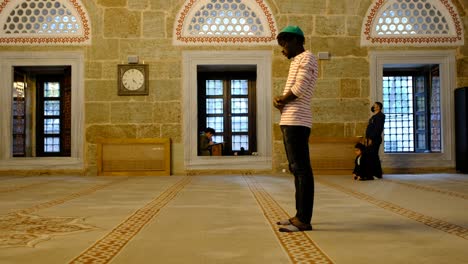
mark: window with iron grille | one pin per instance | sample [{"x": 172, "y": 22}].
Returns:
[
  {"x": 51, "y": 117},
  {"x": 411, "y": 101},
  {"x": 226, "y": 103}
]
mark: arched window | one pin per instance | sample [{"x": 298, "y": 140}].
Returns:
[
  {"x": 36, "y": 22},
  {"x": 224, "y": 22},
  {"x": 412, "y": 22}
]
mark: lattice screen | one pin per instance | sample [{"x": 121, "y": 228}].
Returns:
[
  {"x": 412, "y": 22},
  {"x": 225, "y": 22},
  {"x": 43, "y": 22}
]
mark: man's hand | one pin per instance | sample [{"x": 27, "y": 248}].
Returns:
[{"x": 278, "y": 103}]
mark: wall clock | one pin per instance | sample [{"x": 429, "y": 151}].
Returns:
[{"x": 132, "y": 79}]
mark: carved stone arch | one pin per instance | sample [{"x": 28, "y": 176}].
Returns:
[
  {"x": 44, "y": 22},
  {"x": 224, "y": 22},
  {"x": 412, "y": 22}
]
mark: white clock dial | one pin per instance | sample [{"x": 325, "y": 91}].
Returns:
[{"x": 133, "y": 79}]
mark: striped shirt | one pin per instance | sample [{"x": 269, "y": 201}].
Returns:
[{"x": 302, "y": 76}]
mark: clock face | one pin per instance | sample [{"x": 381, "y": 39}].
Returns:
[{"x": 133, "y": 79}]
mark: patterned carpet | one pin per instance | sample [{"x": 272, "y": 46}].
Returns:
[{"x": 232, "y": 219}]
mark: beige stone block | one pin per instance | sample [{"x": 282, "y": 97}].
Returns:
[
  {"x": 92, "y": 169},
  {"x": 164, "y": 4},
  {"x": 91, "y": 153},
  {"x": 144, "y": 48},
  {"x": 276, "y": 117},
  {"x": 97, "y": 113},
  {"x": 317, "y": 44},
  {"x": 93, "y": 70},
  {"x": 106, "y": 90},
  {"x": 167, "y": 112},
  {"x": 170, "y": 69},
  {"x": 138, "y": 4},
  {"x": 340, "y": 7},
  {"x": 109, "y": 70},
  {"x": 350, "y": 88},
  {"x": 462, "y": 7},
  {"x": 98, "y": 90},
  {"x": 154, "y": 25},
  {"x": 273, "y": 7},
  {"x": 338, "y": 46},
  {"x": 103, "y": 49},
  {"x": 121, "y": 23},
  {"x": 112, "y": 3},
  {"x": 349, "y": 129},
  {"x": 277, "y": 52},
  {"x": 463, "y": 50},
  {"x": 462, "y": 67},
  {"x": 327, "y": 130},
  {"x": 149, "y": 131},
  {"x": 282, "y": 20},
  {"x": 330, "y": 25},
  {"x": 177, "y": 159},
  {"x": 280, "y": 67},
  {"x": 462, "y": 82},
  {"x": 174, "y": 132},
  {"x": 95, "y": 14},
  {"x": 95, "y": 132},
  {"x": 166, "y": 90},
  {"x": 365, "y": 88},
  {"x": 131, "y": 112},
  {"x": 329, "y": 88},
  {"x": 278, "y": 86},
  {"x": 170, "y": 18},
  {"x": 339, "y": 110},
  {"x": 277, "y": 134},
  {"x": 303, "y": 6},
  {"x": 353, "y": 25},
  {"x": 364, "y": 5},
  {"x": 346, "y": 68},
  {"x": 279, "y": 158},
  {"x": 305, "y": 22},
  {"x": 150, "y": 49}
]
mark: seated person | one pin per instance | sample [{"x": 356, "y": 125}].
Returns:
[
  {"x": 205, "y": 142},
  {"x": 362, "y": 166}
]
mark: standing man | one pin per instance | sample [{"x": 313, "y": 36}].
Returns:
[
  {"x": 296, "y": 122},
  {"x": 374, "y": 131}
]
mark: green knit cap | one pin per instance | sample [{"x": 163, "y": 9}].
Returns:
[{"x": 292, "y": 29}]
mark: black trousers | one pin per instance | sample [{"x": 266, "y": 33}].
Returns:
[
  {"x": 296, "y": 143},
  {"x": 374, "y": 159}
]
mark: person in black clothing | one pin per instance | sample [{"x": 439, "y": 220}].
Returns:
[
  {"x": 205, "y": 142},
  {"x": 361, "y": 170},
  {"x": 374, "y": 138}
]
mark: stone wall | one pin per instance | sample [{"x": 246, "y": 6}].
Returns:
[{"x": 144, "y": 28}]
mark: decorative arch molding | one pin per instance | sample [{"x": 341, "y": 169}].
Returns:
[
  {"x": 224, "y": 22},
  {"x": 412, "y": 22},
  {"x": 44, "y": 22}
]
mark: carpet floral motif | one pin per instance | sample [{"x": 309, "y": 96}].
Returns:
[{"x": 26, "y": 230}]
